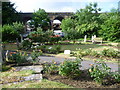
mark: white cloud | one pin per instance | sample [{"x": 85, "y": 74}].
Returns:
[{"x": 67, "y": 9}]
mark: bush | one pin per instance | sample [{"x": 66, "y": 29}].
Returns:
[
  {"x": 55, "y": 38},
  {"x": 51, "y": 68},
  {"x": 40, "y": 35},
  {"x": 26, "y": 44},
  {"x": 9, "y": 33},
  {"x": 70, "y": 69},
  {"x": 18, "y": 57},
  {"x": 99, "y": 71},
  {"x": 116, "y": 76},
  {"x": 110, "y": 53},
  {"x": 19, "y": 27},
  {"x": 35, "y": 54}
]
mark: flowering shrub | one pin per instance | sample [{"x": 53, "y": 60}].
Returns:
[
  {"x": 18, "y": 57},
  {"x": 51, "y": 68},
  {"x": 55, "y": 38},
  {"x": 40, "y": 35},
  {"x": 99, "y": 71},
  {"x": 70, "y": 68}
]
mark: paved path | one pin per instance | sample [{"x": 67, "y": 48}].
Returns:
[{"x": 84, "y": 63}]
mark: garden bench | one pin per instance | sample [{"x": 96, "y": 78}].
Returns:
[{"x": 98, "y": 40}]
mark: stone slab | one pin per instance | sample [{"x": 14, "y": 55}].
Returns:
[{"x": 37, "y": 68}]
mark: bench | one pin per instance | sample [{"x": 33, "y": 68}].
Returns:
[{"x": 98, "y": 40}]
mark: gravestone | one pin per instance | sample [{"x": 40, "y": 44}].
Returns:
[
  {"x": 66, "y": 51},
  {"x": 85, "y": 38},
  {"x": 6, "y": 55},
  {"x": 92, "y": 39},
  {"x": 94, "y": 36}
]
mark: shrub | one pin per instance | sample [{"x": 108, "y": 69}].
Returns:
[
  {"x": 110, "y": 53},
  {"x": 26, "y": 44},
  {"x": 19, "y": 27},
  {"x": 9, "y": 33},
  {"x": 88, "y": 51},
  {"x": 51, "y": 68},
  {"x": 116, "y": 76},
  {"x": 70, "y": 68},
  {"x": 78, "y": 53},
  {"x": 19, "y": 57},
  {"x": 35, "y": 54},
  {"x": 55, "y": 38},
  {"x": 99, "y": 71},
  {"x": 40, "y": 35},
  {"x": 95, "y": 54}
]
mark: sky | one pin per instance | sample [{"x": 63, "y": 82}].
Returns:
[{"x": 62, "y": 5}]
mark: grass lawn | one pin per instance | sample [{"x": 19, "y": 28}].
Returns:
[
  {"x": 65, "y": 47},
  {"x": 9, "y": 76},
  {"x": 74, "y": 47},
  {"x": 37, "y": 84}
]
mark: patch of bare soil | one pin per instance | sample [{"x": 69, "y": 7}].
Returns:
[{"x": 84, "y": 81}]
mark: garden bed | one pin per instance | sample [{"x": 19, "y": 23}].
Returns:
[{"x": 84, "y": 81}]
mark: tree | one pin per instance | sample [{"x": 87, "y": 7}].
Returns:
[
  {"x": 67, "y": 24},
  {"x": 87, "y": 20},
  {"x": 110, "y": 29},
  {"x": 41, "y": 19},
  {"x": 9, "y": 14}
]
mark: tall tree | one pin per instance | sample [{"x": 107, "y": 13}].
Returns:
[
  {"x": 9, "y": 13},
  {"x": 87, "y": 20},
  {"x": 41, "y": 19},
  {"x": 110, "y": 28}
]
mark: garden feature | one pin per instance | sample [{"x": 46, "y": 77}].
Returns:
[{"x": 85, "y": 55}]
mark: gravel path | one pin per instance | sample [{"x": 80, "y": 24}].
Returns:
[{"x": 84, "y": 63}]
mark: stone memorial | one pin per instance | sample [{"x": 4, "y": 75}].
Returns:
[
  {"x": 85, "y": 38},
  {"x": 92, "y": 39},
  {"x": 66, "y": 51}
]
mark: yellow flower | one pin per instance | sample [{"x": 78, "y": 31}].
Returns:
[{"x": 55, "y": 62}]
